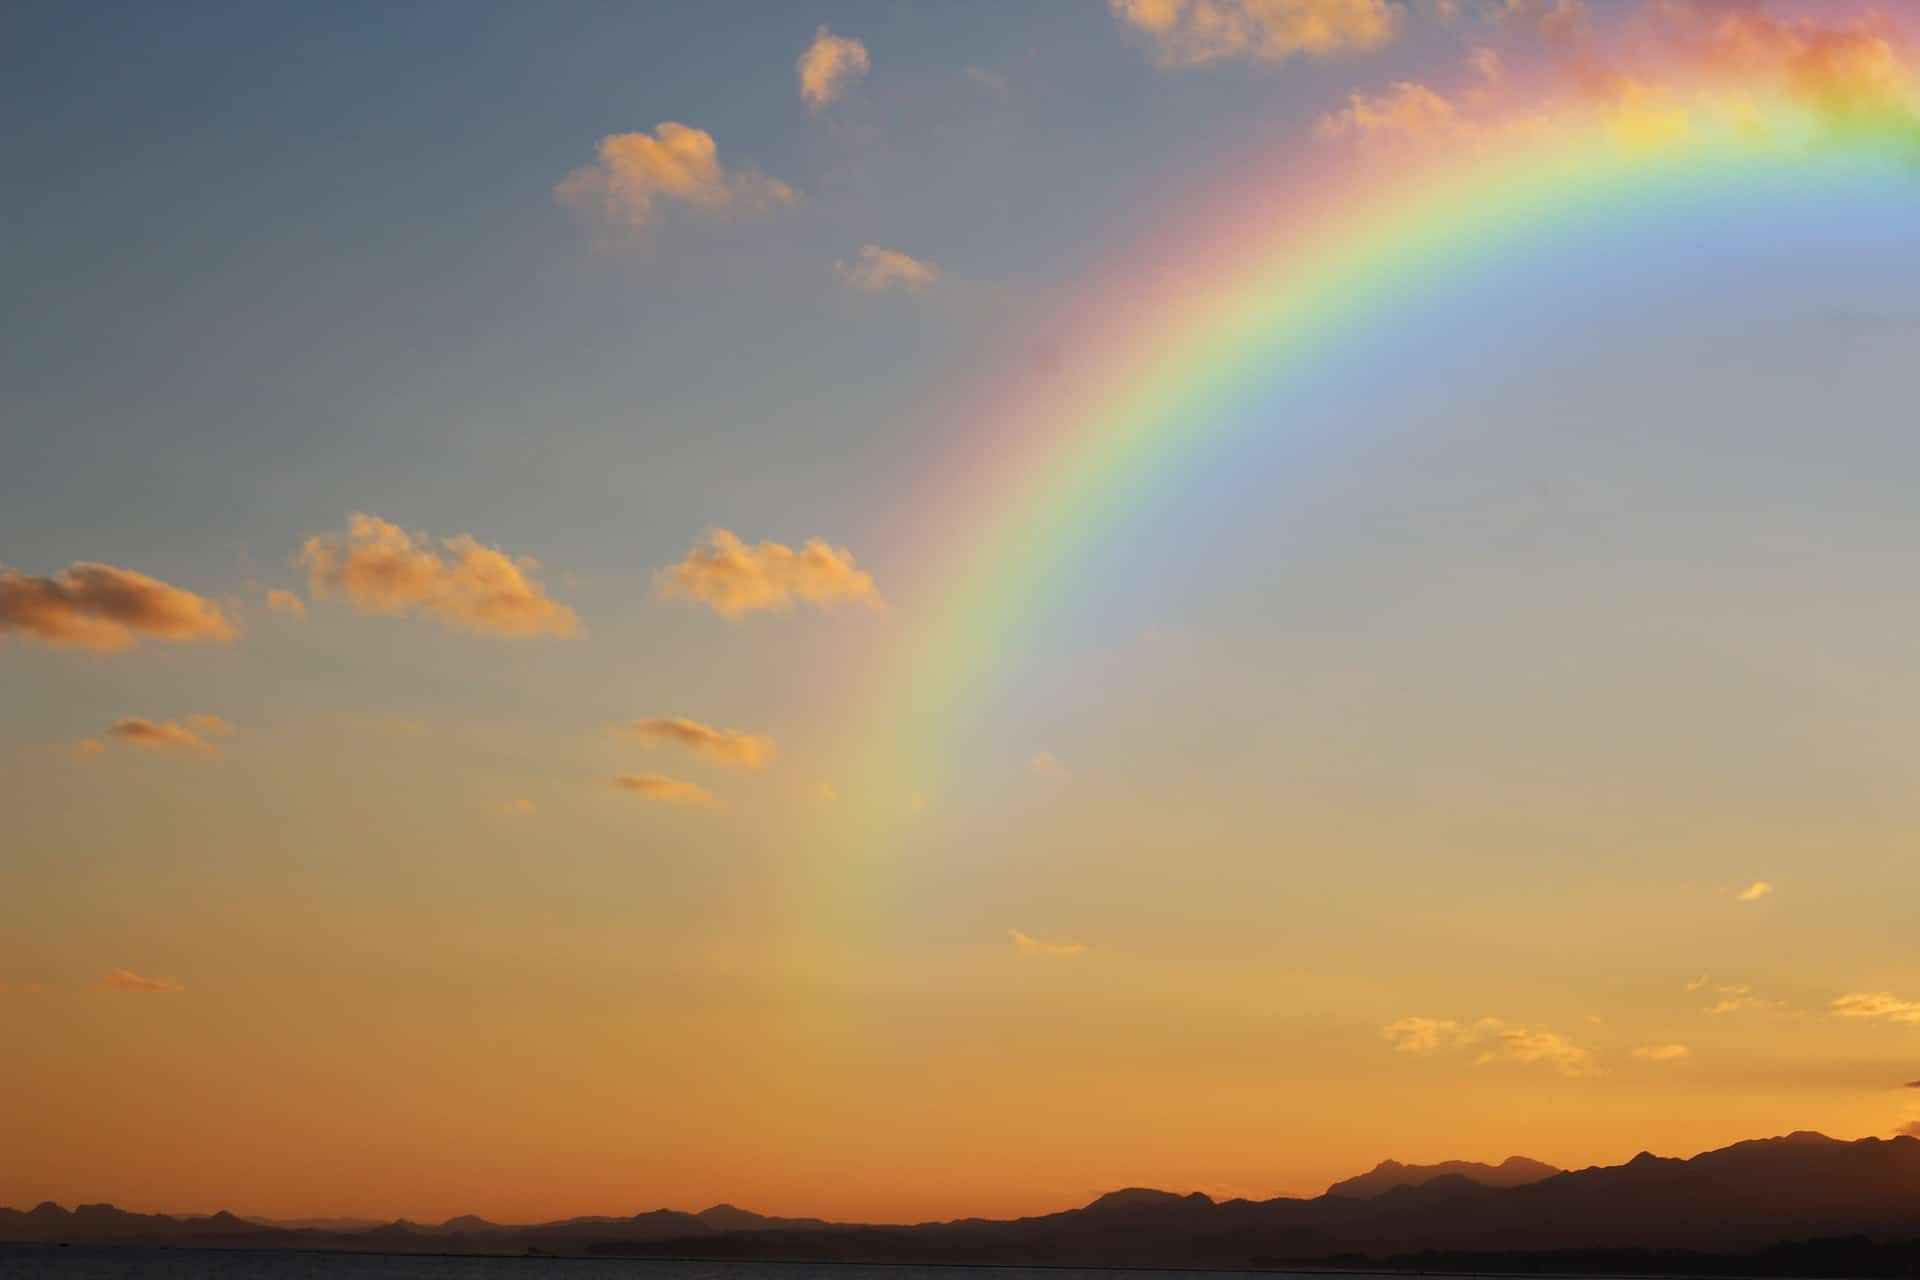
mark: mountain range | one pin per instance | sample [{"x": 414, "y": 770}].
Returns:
[{"x": 1753, "y": 1199}]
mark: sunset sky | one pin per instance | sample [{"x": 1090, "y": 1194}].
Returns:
[{"x": 903, "y": 610}]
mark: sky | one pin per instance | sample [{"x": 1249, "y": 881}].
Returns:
[{"x": 576, "y": 633}]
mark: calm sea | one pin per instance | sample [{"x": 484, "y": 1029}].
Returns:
[{"x": 111, "y": 1264}]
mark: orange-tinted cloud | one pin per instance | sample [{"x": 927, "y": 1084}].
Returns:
[
  {"x": 168, "y": 735},
  {"x": 1755, "y": 891},
  {"x": 381, "y": 568},
  {"x": 1494, "y": 1038},
  {"x": 88, "y": 747},
  {"x": 1877, "y": 1004},
  {"x": 735, "y": 579},
  {"x": 829, "y": 68},
  {"x": 636, "y": 171},
  {"x": 1034, "y": 947},
  {"x": 1662, "y": 1052},
  {"x": 125, "y": 980},
  {"x": 286, "y": 602},
  {"x": 1407, "y": 110},
  {"x": 727, "y": 746},
  {"x": 881, "y": 269},
  {"x": 514, "y": 808},
  {"x": 1044, "y": 764},
  {"x": 656, "y": 786},
  {"x": 1185, "y": 33},
  {"x": 1911, "y": 1129},
  {"x": 104, "y": 609}
]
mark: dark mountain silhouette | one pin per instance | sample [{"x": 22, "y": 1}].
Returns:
[
  {"x": 1800, "y": 1204},
  {"x": 1514, "y": 1171}
]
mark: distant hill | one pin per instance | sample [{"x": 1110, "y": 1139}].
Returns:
[
  {"x": 1800, "y": 1204},
  {"x": 1514, "y": 1171}
]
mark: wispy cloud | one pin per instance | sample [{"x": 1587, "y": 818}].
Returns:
[
  {"x": 1035, "y": 947},
  {"x": 636, "y": 171},
  {"x": 1877, "y": 1004},
  {"x": 103, "y": 609},
  {"x": 380, "y": 568},
  {"x": 1494, "y": 1039},
  {"x": 1662, "y": 1052},
  {"x": 169, "y": 735},
  {"x": 128, "y": 981},
  {"x": 1185, "y": 33},
  {"x": 726, "y": 746},
  {"x": 514, "y": 808},
  {"x": 1754, "y": 892},
  {"x": 655, "y": 786},
  {"x": 286, "y": 602},
  {"x": 1407, "y": 110},
  {"x": 830, "y": 66},
  {"x": 881, "y": 269},
  {"x": 734, "y": 579}
]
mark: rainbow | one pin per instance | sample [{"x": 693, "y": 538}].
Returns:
[{"x": 1268, "y": 278}]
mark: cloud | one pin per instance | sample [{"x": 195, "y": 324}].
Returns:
[
  {"x": 286, "y": 602},
  {"x": 104, "y": 609},
  {"x": 727, "y": 746},
  {"x": 125, "y": 980},
  {"x": 1185, "y": 33},
  {"x": 382, "y": 569},
  {"x": 211, "y": 724},
  {"x": 1551, "y": 18},
  {"x": 1496, "y": 1039},
  {"x": 1755, "y": 891},
  {"x": 636, "y": 171},
  {"x": 1407, "y": 110},
  {"x": 1911, "y": 1084},
  {"x": 1911, "y": 1129},
  {"x": 1043, "y": 764},
  {"x": 1035, "y": 947},
  {"x": 1662, "y": 1052},
  {"x": 1877, "y": 1004},
  {"x": 735, "y": 579},
  {"x": 514, "y": 808},
  {"x": 829, "y": 67},
  {"x": 987, "y": 78},
  {"x": 88, "y": 747},
  {"x": 1742, "y": 1003},
  {"x": 167, "y": 735},
  {"x": 656, "y": 786},
  {"x": 825, "y": 793},
  {"x": 881, "y": 269}
]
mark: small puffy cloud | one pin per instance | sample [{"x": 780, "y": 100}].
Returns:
[
  {"x": 1185, "y": 33},
  {"x": 380, "y": 568},
  {"x": 881, "y": 269},
  {"x": 1877, "y": 1004},
  {"x": 1034, "y": 947},
  {"x": 1408, "y": 110},
  {"x": 1495, "y": 1040},
  {"x": 286, "y": 602},
  {"x": 514, "y": 808},
  {"x": 1755, "y": 891},
  {"x": 829, "y": 67},
  {"x": 1043, "y": 764},
  {"x": 636, "y": 171},
  {"x": 165, "y": 735},
  {"x": 727, "y": 746},
  {"x": 104, "y": 609},
  {"x": 656, "y": 786},
  {"x": 1662, "y": 1052},
  {"x": 125, "y": 980},
  {"x": 735, "y": 579}
]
